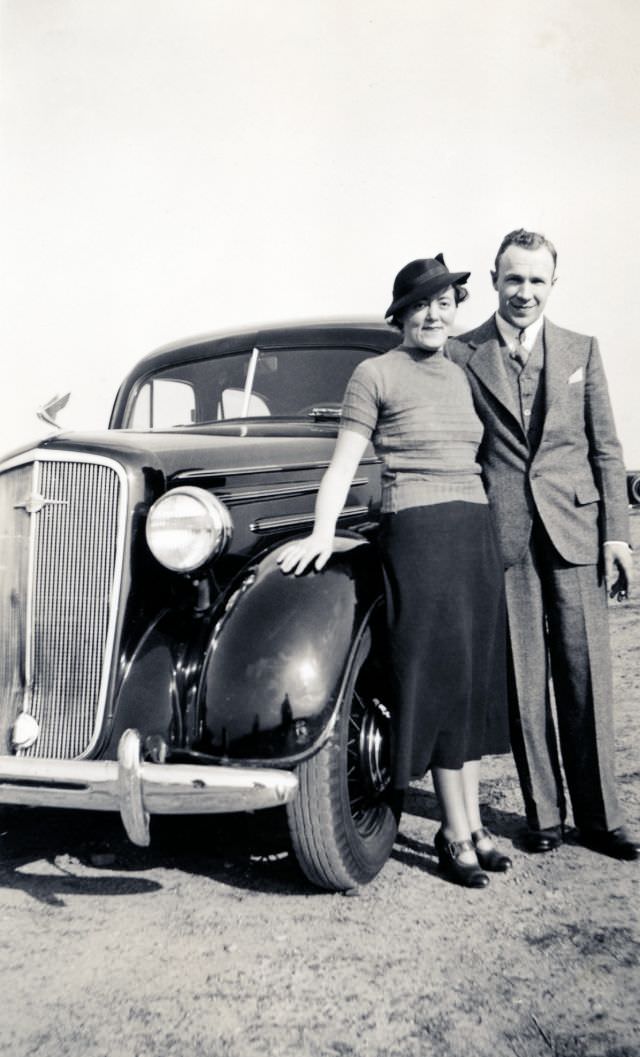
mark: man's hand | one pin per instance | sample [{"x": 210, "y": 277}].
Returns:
[{"x": 618, "y": 570}]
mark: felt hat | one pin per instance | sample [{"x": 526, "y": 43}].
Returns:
[{"x": 421, "y": 279}]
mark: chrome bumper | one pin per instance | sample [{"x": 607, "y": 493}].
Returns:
[{"x": 138, "y": 790}]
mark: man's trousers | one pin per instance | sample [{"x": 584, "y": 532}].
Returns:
[{"x": 558, "y": 626}]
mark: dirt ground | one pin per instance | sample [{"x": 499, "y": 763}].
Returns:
[{"x": 211, "y": 944}]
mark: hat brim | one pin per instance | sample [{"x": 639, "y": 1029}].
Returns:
[{"x": 426, "y": 289}]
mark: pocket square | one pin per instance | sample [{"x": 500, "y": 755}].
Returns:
[{"x": 577, "y": 376}]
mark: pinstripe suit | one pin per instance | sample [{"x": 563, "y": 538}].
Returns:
[{"x": 554, "y": 505}]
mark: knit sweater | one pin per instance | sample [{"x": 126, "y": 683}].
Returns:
[{"x": 418, "y": 412}]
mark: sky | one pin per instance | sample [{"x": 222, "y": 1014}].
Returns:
[{"x": 174, "y": 167}]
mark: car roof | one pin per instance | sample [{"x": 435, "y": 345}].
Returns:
[
  {"x": 277, "y": 335},
  {"x": 367, "y": 334}
]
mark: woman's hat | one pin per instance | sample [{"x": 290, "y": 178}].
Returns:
[{"x": 421, "y": 279}]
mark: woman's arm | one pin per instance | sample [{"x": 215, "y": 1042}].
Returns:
[{"x": 332, "y": 495}]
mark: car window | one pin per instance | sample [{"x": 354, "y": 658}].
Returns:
[
  {"x": 236, "y": 403},
  {"x": 281, "y": 383},
  {"x": 163, "y": 402}
]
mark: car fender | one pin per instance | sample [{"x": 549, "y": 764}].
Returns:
[
  {"x": 157, "y": 685},
  {"x": 277, "y": 657}
]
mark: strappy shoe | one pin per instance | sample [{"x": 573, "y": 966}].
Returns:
[
  {"x": 468, "y": 874},
  {"x": 493, "y": 859}
]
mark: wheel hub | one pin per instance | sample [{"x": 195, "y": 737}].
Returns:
[{"x": 374, "y": 748}]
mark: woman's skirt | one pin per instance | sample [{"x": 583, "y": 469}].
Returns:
[{"x": 447, "y": 637}]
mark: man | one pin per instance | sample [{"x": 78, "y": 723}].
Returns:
[{"x": 556, "y": 481}]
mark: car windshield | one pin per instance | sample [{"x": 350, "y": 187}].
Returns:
[{"x": 282, "y": 383}]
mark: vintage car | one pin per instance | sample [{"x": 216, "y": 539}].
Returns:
[{"x": 154, "y": 658}]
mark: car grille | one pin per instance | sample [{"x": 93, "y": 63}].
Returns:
[{"x": 60, "y": 564}]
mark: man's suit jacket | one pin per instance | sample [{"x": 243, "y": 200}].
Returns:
[{"x": 576, "y": 479}]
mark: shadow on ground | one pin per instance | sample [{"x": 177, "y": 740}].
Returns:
[{"x": 245, "y": 851}]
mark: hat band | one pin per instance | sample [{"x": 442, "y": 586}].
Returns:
[{"x": 430, "y": 273}]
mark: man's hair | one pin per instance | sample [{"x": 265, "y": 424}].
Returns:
[{"x": 529, "y": 240}]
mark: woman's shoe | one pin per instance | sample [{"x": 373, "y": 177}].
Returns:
[
  {"x": 468, "y": 874},
  {"x": 492, "y": 859}
]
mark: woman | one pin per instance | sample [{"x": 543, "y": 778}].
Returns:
[{"x": 442, "y": 567}]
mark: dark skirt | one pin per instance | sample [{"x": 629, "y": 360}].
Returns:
[{"x": 447, "y": 637}]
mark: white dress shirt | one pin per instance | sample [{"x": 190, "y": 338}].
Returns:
[{"x": 513, "y": 337}]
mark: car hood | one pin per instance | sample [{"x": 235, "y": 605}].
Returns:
[{"x": 213, "y": 449}]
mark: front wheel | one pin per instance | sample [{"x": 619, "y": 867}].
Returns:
[{"x": 344, "y": 819}]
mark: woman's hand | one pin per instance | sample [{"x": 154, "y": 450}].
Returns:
[
  {"x": 332, "y": 494},
  {"x": 299, "y": 554}
]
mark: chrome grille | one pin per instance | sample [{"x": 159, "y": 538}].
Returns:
[
  {"x": 65, "y": 518},
  {"x": 14, "y": 563}
]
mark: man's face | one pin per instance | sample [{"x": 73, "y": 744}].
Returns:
[{"x": 524, "y": 281}]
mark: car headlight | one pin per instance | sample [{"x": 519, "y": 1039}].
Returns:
[{"x": 186, "y": 528}]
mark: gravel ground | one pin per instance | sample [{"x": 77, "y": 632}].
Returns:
[{"x": 211, "y": 944}]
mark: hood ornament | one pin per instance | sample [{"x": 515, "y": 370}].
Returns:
[{"x": 49, "y": 411}]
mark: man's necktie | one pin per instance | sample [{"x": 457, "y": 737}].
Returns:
[{"x": 521, "y": 354}]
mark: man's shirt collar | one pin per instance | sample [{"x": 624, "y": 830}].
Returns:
[{"x": 509, "y": 333}]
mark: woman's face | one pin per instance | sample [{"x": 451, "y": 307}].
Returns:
[{"x": 427, "y": 324}]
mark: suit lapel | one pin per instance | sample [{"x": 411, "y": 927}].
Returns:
[
  {"x": 561, "y": 360},
  {"x": 487, "y": 363}
]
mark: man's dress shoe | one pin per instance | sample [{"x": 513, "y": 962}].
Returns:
[
  {"x": 544, "y": 839},
  {"x": 614, "y": 842}
]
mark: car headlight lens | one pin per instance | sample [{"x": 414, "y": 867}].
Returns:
[{"x": 186, "y": 528}]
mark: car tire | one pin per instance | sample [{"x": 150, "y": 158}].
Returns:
[
  {"x": 344, "y": 819},
  {"x": 633, "y": 488}
]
